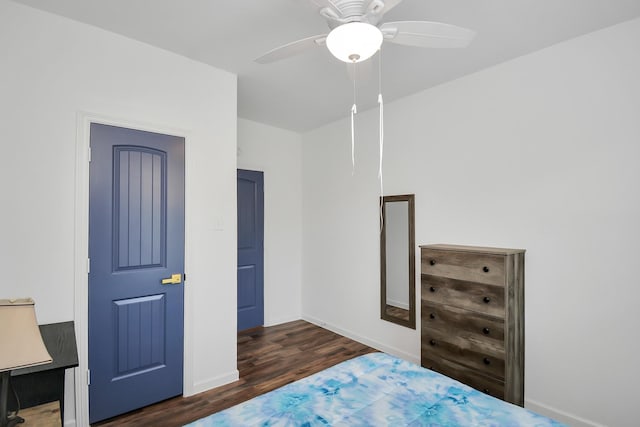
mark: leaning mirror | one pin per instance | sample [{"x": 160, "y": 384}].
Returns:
[{"x": 397, "y": 260}]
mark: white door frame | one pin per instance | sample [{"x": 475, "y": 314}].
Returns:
[{"x": 81, "y": 255}]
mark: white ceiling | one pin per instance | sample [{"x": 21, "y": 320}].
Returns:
[{"x": 312, "y": 89}]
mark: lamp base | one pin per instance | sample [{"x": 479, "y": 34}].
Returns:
[{"x": 5, "y": 421}]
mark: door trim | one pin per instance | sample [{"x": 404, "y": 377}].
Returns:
[{"x": 81, "y": 254}]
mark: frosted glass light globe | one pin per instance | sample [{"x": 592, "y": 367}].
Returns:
[{"x": 354, "y": 42}]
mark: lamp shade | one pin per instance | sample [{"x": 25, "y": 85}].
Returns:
[
  {"x": 22, "y": 344},
  {"x": 354, "y": 42}
]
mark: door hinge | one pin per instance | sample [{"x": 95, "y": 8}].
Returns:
[
  {"x": 89, "y": 154},
  {"x": 184, "y": 277},
  {"x": 88, "y": 376},
  {"x": 88, "y": 265}
]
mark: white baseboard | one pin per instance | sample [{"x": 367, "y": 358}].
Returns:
[
  {"x": 279, "y": 321},
  {"x": 211, "y": 383},
  {"x": 364, "y": 340},
  {"x": 558, "y": 415},
  {"x": 541, "y": 408},
  {"x": 546, "y": 410},
  {"x": 70, "y": 423}
]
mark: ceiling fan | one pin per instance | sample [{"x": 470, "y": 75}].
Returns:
[{"x": 357, "y": 33}]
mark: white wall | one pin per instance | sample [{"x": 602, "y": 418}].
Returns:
[
  {"x": 51, "y": 69},
  {"x": 540, "y": 153},
  {"x": 277, "y": 153}
]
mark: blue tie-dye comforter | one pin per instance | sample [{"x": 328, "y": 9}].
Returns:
[{"x": 375, "y": 390}]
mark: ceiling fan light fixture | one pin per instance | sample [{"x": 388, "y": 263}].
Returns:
[{"x": 354, "y": 42}]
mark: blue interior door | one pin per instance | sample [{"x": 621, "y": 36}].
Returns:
[
  {"x": 250, "y": 249},
  {"x": 136, "y": 239}
]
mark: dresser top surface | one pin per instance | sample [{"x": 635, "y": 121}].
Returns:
[{"x": 482, "y": 249}]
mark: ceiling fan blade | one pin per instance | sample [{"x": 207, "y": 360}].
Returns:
[
  {"x": 324, "y": 3},
  {"x": 329, "y": 11},
  {"x": 374, "y": 10},
  {"x": 427, "y": 34},
  {"x": 388, "y": 5},
  {"x": 291, "y": 49}
]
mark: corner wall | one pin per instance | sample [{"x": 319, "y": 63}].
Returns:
[
  {"x": 52, "y": 70},
  {"x": 277, "y": 153},
  {"x": 540, "y": 153}
]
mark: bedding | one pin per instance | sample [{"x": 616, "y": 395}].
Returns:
[{"x": 375, "y": 390}]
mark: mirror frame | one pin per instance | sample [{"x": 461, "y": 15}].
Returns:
[{"x": 411, "y": 321}]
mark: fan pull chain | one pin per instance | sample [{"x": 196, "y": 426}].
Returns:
[
  {"x": 381, "y": 135},
  {"x": 381, "y": 103},
  {"x": 354, "y": 111}
]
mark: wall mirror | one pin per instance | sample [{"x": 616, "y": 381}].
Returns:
[{"x": 397, "y": 260}]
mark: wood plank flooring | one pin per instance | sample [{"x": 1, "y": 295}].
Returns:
[
  {"x": 45, "y": 415},
  {"x": 268, "y": 358}
]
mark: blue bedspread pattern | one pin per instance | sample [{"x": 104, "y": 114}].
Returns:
[{"x": 375, "y": 390}]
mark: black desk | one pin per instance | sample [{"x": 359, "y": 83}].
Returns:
[{"x": 45, "y": 383}]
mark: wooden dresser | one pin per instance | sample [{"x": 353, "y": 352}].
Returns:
[{"x": 473, "y": 317}]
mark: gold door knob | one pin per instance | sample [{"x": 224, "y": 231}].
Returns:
[{"x": 173, "y": 280}]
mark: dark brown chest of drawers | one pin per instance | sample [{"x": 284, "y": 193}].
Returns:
[{"x": 473, "y": 317}]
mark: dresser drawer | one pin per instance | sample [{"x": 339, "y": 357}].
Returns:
[
  {"x": 491, "y": 386},
  {"x": 469, "y": 266},
  {"x": 455, "y": 320},
  {"x": 485, "y": 299},
  {"x": 484, "y": 355}
]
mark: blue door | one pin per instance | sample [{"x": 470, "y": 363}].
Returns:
[
  {"x": 250, "y": 249},
  {"x": 136, "y": 251}
]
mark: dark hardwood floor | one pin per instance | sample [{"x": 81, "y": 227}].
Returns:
[
  {"x": 400, "y": 313},
  {"x": 267, "y": 359}
]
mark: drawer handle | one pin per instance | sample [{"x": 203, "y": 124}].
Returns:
[
  {"x": 485, "y": 269},
  {"x": 432, "y": 316},
  {"x": 432, "y": 289},
  {"x": 432, "y": 342},
  {"x": 486, "y": 300},
  {"x": 432, "y": 262},
  {"x": 486, "y": 361},
  {"x": 486, "y": 331}
]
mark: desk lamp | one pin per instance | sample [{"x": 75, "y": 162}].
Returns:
[{"x": 21, "y": 347}]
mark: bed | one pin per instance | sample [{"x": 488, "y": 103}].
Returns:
[{"x": 375, "y": 390}]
